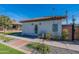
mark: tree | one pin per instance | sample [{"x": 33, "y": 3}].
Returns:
[
  {"x": 65, "y": 34},
  {"x": 5, "y": 22}
]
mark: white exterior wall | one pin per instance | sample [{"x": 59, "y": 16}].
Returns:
[{"x": 46, "y": 26}]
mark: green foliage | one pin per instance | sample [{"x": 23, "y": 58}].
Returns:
[
  {"x": 56, "y": 38},
  {"x": 8, "y": 32},
  {"x": 65, "y": 34},
  {"x": 5, "y": 39},
  {"x": 5, "y": 22},
  {"x": 42, "y": 48},
  {"x": 33, "y": 45},
  {"x": 48, "y": 36},
  {"x": 8, "y": 50}
]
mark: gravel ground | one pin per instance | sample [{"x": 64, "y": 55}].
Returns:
[{"x": 55, "y": 50}]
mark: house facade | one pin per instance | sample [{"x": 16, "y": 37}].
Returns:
[
  {"x": 15, "y": 25},
  {"x": 52, "y": 25}
]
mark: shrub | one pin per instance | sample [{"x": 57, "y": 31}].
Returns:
[
  {"x": 48, "y": 36},
  {"x": 65, "y": 34},
  {"x": 42, "y": 48},
  {"x": 56, "y": 37},
  {"x": 33, "y": 45}
]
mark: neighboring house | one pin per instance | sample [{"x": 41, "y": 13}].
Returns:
[
  {"x": 36, "y": 26},
  {"x": 16, "y": 25},
  {"x": 69, "y": 29}
]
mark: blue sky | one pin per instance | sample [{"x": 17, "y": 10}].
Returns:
[{"x": 26, "y": 11}]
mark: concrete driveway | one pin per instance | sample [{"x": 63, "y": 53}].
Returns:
[{"x": 62, "y": 44}]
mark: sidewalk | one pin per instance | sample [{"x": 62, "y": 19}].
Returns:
[{"x": 66, "y": 45}]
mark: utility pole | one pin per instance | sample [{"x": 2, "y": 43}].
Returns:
[
  {"x": 73, "y": 28},
  {"x": 53, "y": 11},
  {"x": 66, "y": 12}
]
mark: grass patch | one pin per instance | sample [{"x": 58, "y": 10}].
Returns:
[
  {"x": 5, "y": 39},
  {"x": 8, "y": 50},
  {"x": 7, "y": 32}
]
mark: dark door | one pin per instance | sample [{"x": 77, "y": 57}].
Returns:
[{"x": 36, "y": 29}]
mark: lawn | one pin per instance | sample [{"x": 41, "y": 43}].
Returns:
[
  {"x": 8, "y": 32},
  {"x": 8, "y": 50}
]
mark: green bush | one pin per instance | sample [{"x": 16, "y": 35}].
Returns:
[
  {"x": 33, "y": 45},
  {"x": 48, "y": 36},
  {"x": 56, "y": 37},
  {"x": 42, "y": 48},
  {"x": 65, "y": 34}
]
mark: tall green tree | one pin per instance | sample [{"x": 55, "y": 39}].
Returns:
[{"x": 5, "y": 22}]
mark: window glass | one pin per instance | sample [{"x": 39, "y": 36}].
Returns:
[{"x": 55, "y": 27}]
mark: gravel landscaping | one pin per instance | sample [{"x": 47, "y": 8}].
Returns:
[
  {"x": 57, "y": 50},
  {"x": 54, "y": 50}
]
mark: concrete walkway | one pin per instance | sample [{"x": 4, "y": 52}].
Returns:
[
  {"x": 67, "y": 45},
  {"x": 19, "y": 43}
]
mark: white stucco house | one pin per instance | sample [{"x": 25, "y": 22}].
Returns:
[{"x": 36, "y": 26}]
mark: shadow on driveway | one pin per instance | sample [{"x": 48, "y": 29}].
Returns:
[
  {"x": 25, "y": 36},
  {"x": 76, "y": 42}
]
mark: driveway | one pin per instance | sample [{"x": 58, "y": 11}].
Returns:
[
  {"x": 19, "y": 43},
  {"x": 61, "y": 44}
]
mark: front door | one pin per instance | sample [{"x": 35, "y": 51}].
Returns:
[{"x": 36, "y": 29}]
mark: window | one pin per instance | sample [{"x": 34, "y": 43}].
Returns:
[
  {"x": 40, "y": 23},
  {"x": 36, "y": 29},
  {"x": 55, "y": 27},
  {"x": 32, "y": 23}
]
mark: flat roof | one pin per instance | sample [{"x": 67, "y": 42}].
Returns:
[{"x": 44, "y": 19}]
